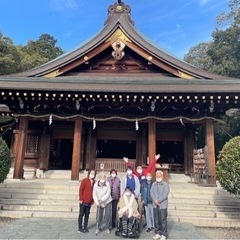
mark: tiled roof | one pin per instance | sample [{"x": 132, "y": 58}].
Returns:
[
  {"x": 148, "y": 83},
  {"x": 123, "y": 21}
]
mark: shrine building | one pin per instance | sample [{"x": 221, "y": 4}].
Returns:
[{"x": 116, "y": 95}]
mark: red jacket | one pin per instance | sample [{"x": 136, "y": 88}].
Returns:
[
  {"x": 145, "y": 171},
  {"x": 85, "y": 191}
]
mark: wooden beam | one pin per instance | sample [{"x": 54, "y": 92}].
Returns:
[
  {"x": 77, "y": 140},
  {"x": 209, "y": 141},
  {"x": 152, "y": 138},
  {"x": 157, "y": 62},
  {"x": 83, "y": 59},
  {"x": 21, "y": 148}
]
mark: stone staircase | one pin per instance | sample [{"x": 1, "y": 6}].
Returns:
[{"x": 56, "y": 197}]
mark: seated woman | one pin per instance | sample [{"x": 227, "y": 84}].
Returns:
[{"x": 128, "y": 210}]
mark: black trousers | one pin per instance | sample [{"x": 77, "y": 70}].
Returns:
[
  {"x": 84, "y": 211},
  {"x": 114, "y": 212},
  {"x": 160, "y": 221}
]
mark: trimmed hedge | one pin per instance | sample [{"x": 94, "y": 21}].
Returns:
[
  {"x": 5, "y": 160},
  {"x": 228, "y": 166}
]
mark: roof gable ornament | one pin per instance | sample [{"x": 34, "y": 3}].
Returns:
[{"x": 119, "y": 8}]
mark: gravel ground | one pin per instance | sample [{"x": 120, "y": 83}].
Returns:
[
  {"x": 220, "y": 233},
  {"x": 5, "y": 220},
  {"x": 210, "y": 233}
]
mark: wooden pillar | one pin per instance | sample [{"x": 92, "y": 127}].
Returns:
[
  {"x": 188, "y": 150},
  {"x": 152, "y": 138},
  {"x": 21, "y": 148},
  {"x": 14, "y": 145},
  {"x": 139, "y": 158},
  {"x": 144, "y": 145},
  {"x": 209, "y": 141},
  {"x": 77, "y": 139},
  {"x": 91, "y": 149},
  {"x": 44, "y": 149}
]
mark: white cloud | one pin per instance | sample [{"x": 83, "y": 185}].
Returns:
[
  {"x": 60, "y": 5},
  {"x": 203, "y": 2}
]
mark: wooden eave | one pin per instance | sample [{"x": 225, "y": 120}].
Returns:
[
  {"x": 137, "y": 43},
  {"x": 149, "y": 83}
]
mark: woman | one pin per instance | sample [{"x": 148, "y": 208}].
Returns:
[
  {"x": 128, "y": 210},
  {"x": 115, "y": 193},
  {"x": 85, "y": 200},
  {"x": 102, "y": 198}
]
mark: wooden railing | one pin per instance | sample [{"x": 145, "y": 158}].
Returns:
[{"x": 106, "y": 164}]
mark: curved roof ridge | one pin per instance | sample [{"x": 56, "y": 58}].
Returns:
[
  {"x": 166, "y": 56},
  {"x": 119, "y": 15}
]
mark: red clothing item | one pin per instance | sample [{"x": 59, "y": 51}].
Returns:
[
  {"x": 85, "y": 191},
  {"x": 145, "y": 171}
]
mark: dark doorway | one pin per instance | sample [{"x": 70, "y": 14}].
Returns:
[
  {"x": 116, "y": 149},
  {"x": 61, "y": 154},
  {"x": 172, "y": 153}
]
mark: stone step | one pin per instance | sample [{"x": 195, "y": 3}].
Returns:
[
  {"x": 40, "y": 191},
  {"x": 63, "y": 198},
  {"x": 209, "y": 222},
  {"x": 55, "y": 189},
  {"x": 40, "y": 196},
  {"x": 196, "y": 220},
  {"x": 73, "y": 204},
  {"x": 55, "y": 208},
  {"x": 231, "y": 208},
  {"x": 59, "y": 198},
  {"x": 75, "y": 208}
]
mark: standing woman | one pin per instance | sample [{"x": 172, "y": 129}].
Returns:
[
  {"x": 102, "y": 198},
  {"x": 85, "y": 200},
  {"x": 115, "y": 193}
]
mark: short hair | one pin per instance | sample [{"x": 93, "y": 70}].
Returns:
[
  {"x": 128, "y": 188},
  {"x": 159, "y": 171},
  {"x": 102, "y": 174},
  {"x": 129, "y": 167},
  {"x": 113, "y": 170}
]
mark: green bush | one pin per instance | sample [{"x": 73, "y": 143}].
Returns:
[
  {"x": 228, "y": 166},
  {"x": 5, "y": 160}
]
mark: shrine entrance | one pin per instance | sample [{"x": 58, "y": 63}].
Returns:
[
  {"x": 172, "y": 154},
  {"x": 61, "y": 154},
  {"x": 116, "y": 149}
]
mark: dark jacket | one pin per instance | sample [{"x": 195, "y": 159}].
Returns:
[{"x": 146, "y": 192}]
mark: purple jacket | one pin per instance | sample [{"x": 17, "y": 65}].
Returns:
[{"x": 115, "y": 187}]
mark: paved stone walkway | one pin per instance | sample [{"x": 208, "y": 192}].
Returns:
[{"x": 54, "y": 228}]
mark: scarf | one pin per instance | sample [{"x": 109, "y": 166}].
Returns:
[{"x": 128, "y": 205}]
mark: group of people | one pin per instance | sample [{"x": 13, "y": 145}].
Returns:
[{"x": 121, "y": 198}]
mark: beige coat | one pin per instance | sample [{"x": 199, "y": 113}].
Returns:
[{"x": 129, "y": 206}]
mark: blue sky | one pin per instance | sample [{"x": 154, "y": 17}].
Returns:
[{"x": 175, "y": 25}]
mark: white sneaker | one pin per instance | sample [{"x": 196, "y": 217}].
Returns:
[
  {"x": 97, "y": 231},
  {"x": 157, "y": 237},
  {"x": 163, "y": 237}
]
